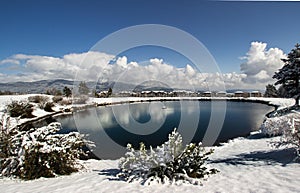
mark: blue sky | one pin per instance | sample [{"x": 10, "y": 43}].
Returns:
[{"x": 56, "y": 28}]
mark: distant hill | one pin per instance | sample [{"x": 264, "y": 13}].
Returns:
[
  {"x": 35, "y": 87},
  {"x": 43, "y": 85},
  {"x": 153, "y": 86}
]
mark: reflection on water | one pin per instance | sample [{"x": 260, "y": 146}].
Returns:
[{"x": 114, "y": 126}]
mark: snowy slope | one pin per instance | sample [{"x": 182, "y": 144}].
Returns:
[{"x": 245, "y": 165}]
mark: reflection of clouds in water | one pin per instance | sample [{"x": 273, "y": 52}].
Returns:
[
  {"x": 86, "y": 122},
  {"x": 131, "y": 117},
  {"x": 139, "y": 110},
  {"x": 157, "y": 112},
  {"x": 189, "y": 107},
  {"x": 106, "y": 119},
  {"x": 124, "y": 115}
]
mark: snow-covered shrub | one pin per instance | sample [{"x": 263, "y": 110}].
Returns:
[
  {"x": 38, "y": 99},
  {"x": 166, "y": 163},
  {"x": 65, "y": 102},
  {"x": 22, "y": 109},
  {"x": 275, "y": 126},
  {"x": 8, "y": 146},
  {"x": 291, "y": 136},
  {"x": 6, "y": 131},
  {"x": 82, "y": 99},
  {"x": 38, "y": 152},
  {"x": 287, "y": 127}
]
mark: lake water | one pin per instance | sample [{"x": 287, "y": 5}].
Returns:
[{"x": 113, "y": 127}]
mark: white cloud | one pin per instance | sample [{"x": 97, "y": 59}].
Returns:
[
  {"x": 10, "y": 61},
  {"x": 94, "y": 66},
  {"x": 257, "y": 70},
  {"x": 36, "y": 67},
  {"x": 189, "y": 70},
  {"x": 261, "y": 63}
]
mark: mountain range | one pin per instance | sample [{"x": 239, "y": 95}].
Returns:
[{"x": 43, "y": 86}]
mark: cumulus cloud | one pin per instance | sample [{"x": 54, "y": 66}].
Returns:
[
  {"x": 261, "y": 63},
  {"x": 36, "y": 67},
  {"x": 257, "y": 70},
  {"x": 96, "y": 66}
]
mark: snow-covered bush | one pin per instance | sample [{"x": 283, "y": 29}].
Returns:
[
  {"x": 166, "y": 163},
  {"x": 8, "y": 145},
  {"x": 38, "y": 152},
  {"x": 287, "y": 127},
  {"x": 275, "y": 126},
  {"x": 291, "y": 136},
  {"x": 65, "y": 102},
  {"x": 81, "y": 99},
  {"x": 38, "y": 99},
  {"x": 22, "y": 109}
]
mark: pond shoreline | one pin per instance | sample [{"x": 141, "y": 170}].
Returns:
[{"x": 97, "y": 102}]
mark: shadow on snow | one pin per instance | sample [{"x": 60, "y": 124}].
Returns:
[
  {"x": 282, "y": 156},
  {"x": 110, "y": 173}
]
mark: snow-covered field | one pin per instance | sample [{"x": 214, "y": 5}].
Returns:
[{"x": 245, "y": 165}]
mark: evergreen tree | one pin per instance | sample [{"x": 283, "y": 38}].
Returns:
[
  {"x": 67, "y": 91},
  {"x": 288, "y": 76},
  {"x": 270, "y": 91},
  {"x": 83, "y": 89}
]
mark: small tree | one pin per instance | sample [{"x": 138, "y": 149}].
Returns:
[
  {"x": 67, "y": 91},
  {"x": 289, "y": 75},
  {"x": 270, "y": 91},
  {"x": 83, "y": 89}
]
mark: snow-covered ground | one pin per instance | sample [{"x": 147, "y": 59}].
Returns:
[{"x": 245, "y": 165}]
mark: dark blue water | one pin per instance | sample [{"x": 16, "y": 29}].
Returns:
[{"x": 113, "y": 127}]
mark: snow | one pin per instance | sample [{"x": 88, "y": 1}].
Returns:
[
  {"x": 280, "y": 102},
  {"x": 245, "y": 165}
]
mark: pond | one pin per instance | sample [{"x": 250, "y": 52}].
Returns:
[{"x": 113, "y": 127}]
